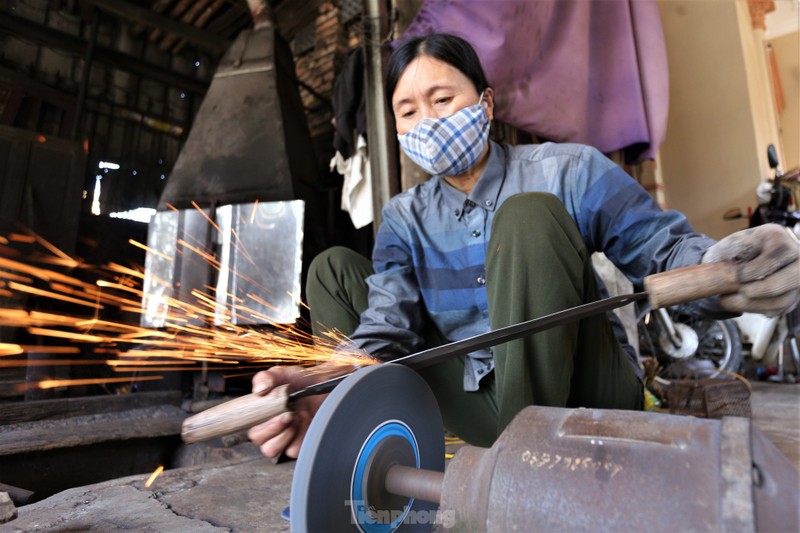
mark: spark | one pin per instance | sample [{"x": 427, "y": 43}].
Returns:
[
  {"x": 10, "y": 349},
  {"x": 117, "y": 362},
  {"x": 19, "y": 237},
  {"x": 253, "y": 213},
  {"x": 148, "y": 249},
  {"x": 51, "y": 349},
  {"x": 11, "y": 363},
  {"x": 191, "y": 339},
  {"x": 164, "y": 369},
  {"x": 49, "y": 294},
  {"x": 125, "y": 270},
  {"x": 55, "y": 250},
  {"x": 15, "y": 277},
  {"x": 53, "y": 383},
  {"x": 65, "y": 335},
  {"x": 153, "y": 476},
  {"x": 208, "y": 257},
  {"x": 208, "y": 219}
]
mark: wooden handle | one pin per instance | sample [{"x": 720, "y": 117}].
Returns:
[
  {"x": 691, "y": 283},
  {"x": 235, "y": 415}
]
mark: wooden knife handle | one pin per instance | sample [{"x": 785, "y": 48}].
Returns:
[
  {"x": 691, "y": 283},
  {"x": 235, "y": 415}
]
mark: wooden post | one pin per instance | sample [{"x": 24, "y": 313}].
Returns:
[
  {"x": 381, "y": 143},
  {"x": 85, "y": 73}
]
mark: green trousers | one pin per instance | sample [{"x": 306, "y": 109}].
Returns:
[{"x": 536, "y": 264}]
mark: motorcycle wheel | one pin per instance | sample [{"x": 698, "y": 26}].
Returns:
[{"x": 718, "y": 345}]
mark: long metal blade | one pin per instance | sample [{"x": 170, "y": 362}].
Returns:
[{"x": 490, "y": 338}]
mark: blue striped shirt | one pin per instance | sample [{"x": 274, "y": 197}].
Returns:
[{"x": 430, "y": 250}]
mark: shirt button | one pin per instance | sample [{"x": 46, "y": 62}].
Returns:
[
  {"x": 481, "y": 280},
  {"x": 476, "y": 233},
  {"x": 489, "y": 203}
]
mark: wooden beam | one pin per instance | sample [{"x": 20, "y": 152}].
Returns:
[
  {"x": 22, "y": 85},
  {"x": 159, "y": 6},
  {"x": 147, "y": 17},
  {"x": 21, "y": 82},
  {"x": 201, "y": 22},
  {"x": 82, "y": 430},
  {"x": 18, "y": 496},
  {"x": 66, "y": 42},
  {"x": 188, "y": 18},
  {"x": 18, "y": 413}
]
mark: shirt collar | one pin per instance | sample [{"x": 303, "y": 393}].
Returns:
[{"x": 487, "y": 188}]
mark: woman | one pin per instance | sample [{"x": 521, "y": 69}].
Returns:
[{"x": 500, "y": 235}]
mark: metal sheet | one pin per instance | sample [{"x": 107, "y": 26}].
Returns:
[
  {"x": 258, "y": 247},
  {"x": 172, "y": 269},
  {"x": 250, "y": 139},
  {"x": 261, "y": 261}
]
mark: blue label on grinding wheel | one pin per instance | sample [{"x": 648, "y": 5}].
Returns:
[{"x": 371, "y": 520}]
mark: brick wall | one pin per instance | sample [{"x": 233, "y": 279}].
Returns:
[{"x": 317, "y": 66}]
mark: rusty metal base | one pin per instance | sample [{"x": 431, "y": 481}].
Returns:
[{"x": 601, "y": 470}]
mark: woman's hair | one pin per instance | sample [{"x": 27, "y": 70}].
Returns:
[{"x": 453, "y": 50}]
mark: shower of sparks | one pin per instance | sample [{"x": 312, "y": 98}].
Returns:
[
  {"x": 153, "y": 476},
  {"x": 54, "y": 383},
  {"x": 189, "y": 339}
]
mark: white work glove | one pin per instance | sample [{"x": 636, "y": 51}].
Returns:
[{"x": 768, "y": 268}]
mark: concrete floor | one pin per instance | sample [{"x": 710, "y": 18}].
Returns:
[
  {"x": 245, "y": 492},
  {"x": 776, "y": 412}
]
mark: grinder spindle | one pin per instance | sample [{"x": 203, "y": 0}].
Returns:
[{"x": 415, "y": 483}]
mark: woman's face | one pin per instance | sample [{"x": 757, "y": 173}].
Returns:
[{"x": 430, "y": 88}]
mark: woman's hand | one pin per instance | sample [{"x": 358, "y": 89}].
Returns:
[
  {"x": 767, "y": 262},
  {"x": 286, "y": 431}
]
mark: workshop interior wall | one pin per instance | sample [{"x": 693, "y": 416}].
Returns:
[
  {"x": 119, "y": 104},
  {"x": 787, "y": 55},
  {"x": 721, "y": 114},
  {"x": 711, "y": 158}
]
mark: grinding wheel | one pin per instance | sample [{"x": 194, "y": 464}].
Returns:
[{"x": 379, "y": 416}]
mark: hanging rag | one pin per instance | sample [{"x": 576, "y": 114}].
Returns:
[{"x": 349, "y": 139}]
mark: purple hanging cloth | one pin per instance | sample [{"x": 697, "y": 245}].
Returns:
[{"x": 585, "y": 71}]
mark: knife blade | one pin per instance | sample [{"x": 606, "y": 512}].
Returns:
[{"x": 438, "y": 354}]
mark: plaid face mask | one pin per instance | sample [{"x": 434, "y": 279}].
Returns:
[{"x": 448, "y": 146}]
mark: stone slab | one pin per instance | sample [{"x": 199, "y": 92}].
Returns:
[{"x": 238, "y": 496}]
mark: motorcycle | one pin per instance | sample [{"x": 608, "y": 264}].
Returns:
[
  {"x": 768, "y": 337},
  {"x": 690, "y": 346}
]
